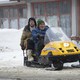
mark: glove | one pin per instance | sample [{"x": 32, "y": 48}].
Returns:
[
  {"x": 22, "y": 47},
  {"x": 39, "y": 36}
]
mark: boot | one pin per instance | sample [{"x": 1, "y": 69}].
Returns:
[{"x": 29, "y": 55}]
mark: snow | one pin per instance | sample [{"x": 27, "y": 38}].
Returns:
[
  {"x": 10, "y": 39},
  {"x": 10, "y": 51}
]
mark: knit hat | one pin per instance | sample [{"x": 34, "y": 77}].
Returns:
[{"x": 39, "y": 22}]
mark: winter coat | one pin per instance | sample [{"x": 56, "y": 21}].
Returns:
[
  {"x": 25, "y": 36},
  {"x": 36, "y": 32}
]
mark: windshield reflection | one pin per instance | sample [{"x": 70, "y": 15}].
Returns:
[{"x": 55, "y": 34}]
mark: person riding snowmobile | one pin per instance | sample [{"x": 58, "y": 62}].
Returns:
[
  {"x": 38, "y": 36},
  {"x": 26, "y": 40}
]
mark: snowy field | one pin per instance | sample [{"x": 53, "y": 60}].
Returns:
[{"x": 10, "y": 51}]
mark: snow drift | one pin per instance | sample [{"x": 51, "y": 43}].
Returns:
[
  {"x": 10, "y": 39},
  {"x": 10, "y": 51}
]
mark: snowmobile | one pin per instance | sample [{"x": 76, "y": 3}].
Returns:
[{"x": 58, "y": 49}]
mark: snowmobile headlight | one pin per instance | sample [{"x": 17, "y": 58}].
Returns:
[
  {"x": 66, "y": 44},
  {"x": 51, "y": 48}
]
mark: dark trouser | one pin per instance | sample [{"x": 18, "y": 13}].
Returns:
[
  {"x": 39, "y": 46},
  {"x": 31, "y": 47},
  {"x": 30, "y": 44}
]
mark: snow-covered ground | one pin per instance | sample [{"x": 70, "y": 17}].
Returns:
[{"x": 10, "y": 51}]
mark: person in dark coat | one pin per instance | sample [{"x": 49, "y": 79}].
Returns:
[
  {"x": 26, "y": 41},
  {"x": 38, "y": 36}
]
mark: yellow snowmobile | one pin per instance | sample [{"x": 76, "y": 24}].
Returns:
[{"x": 59, "y": 49}]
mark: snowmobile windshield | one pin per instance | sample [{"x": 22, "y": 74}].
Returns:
[{"x": 55, "y": 34}]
